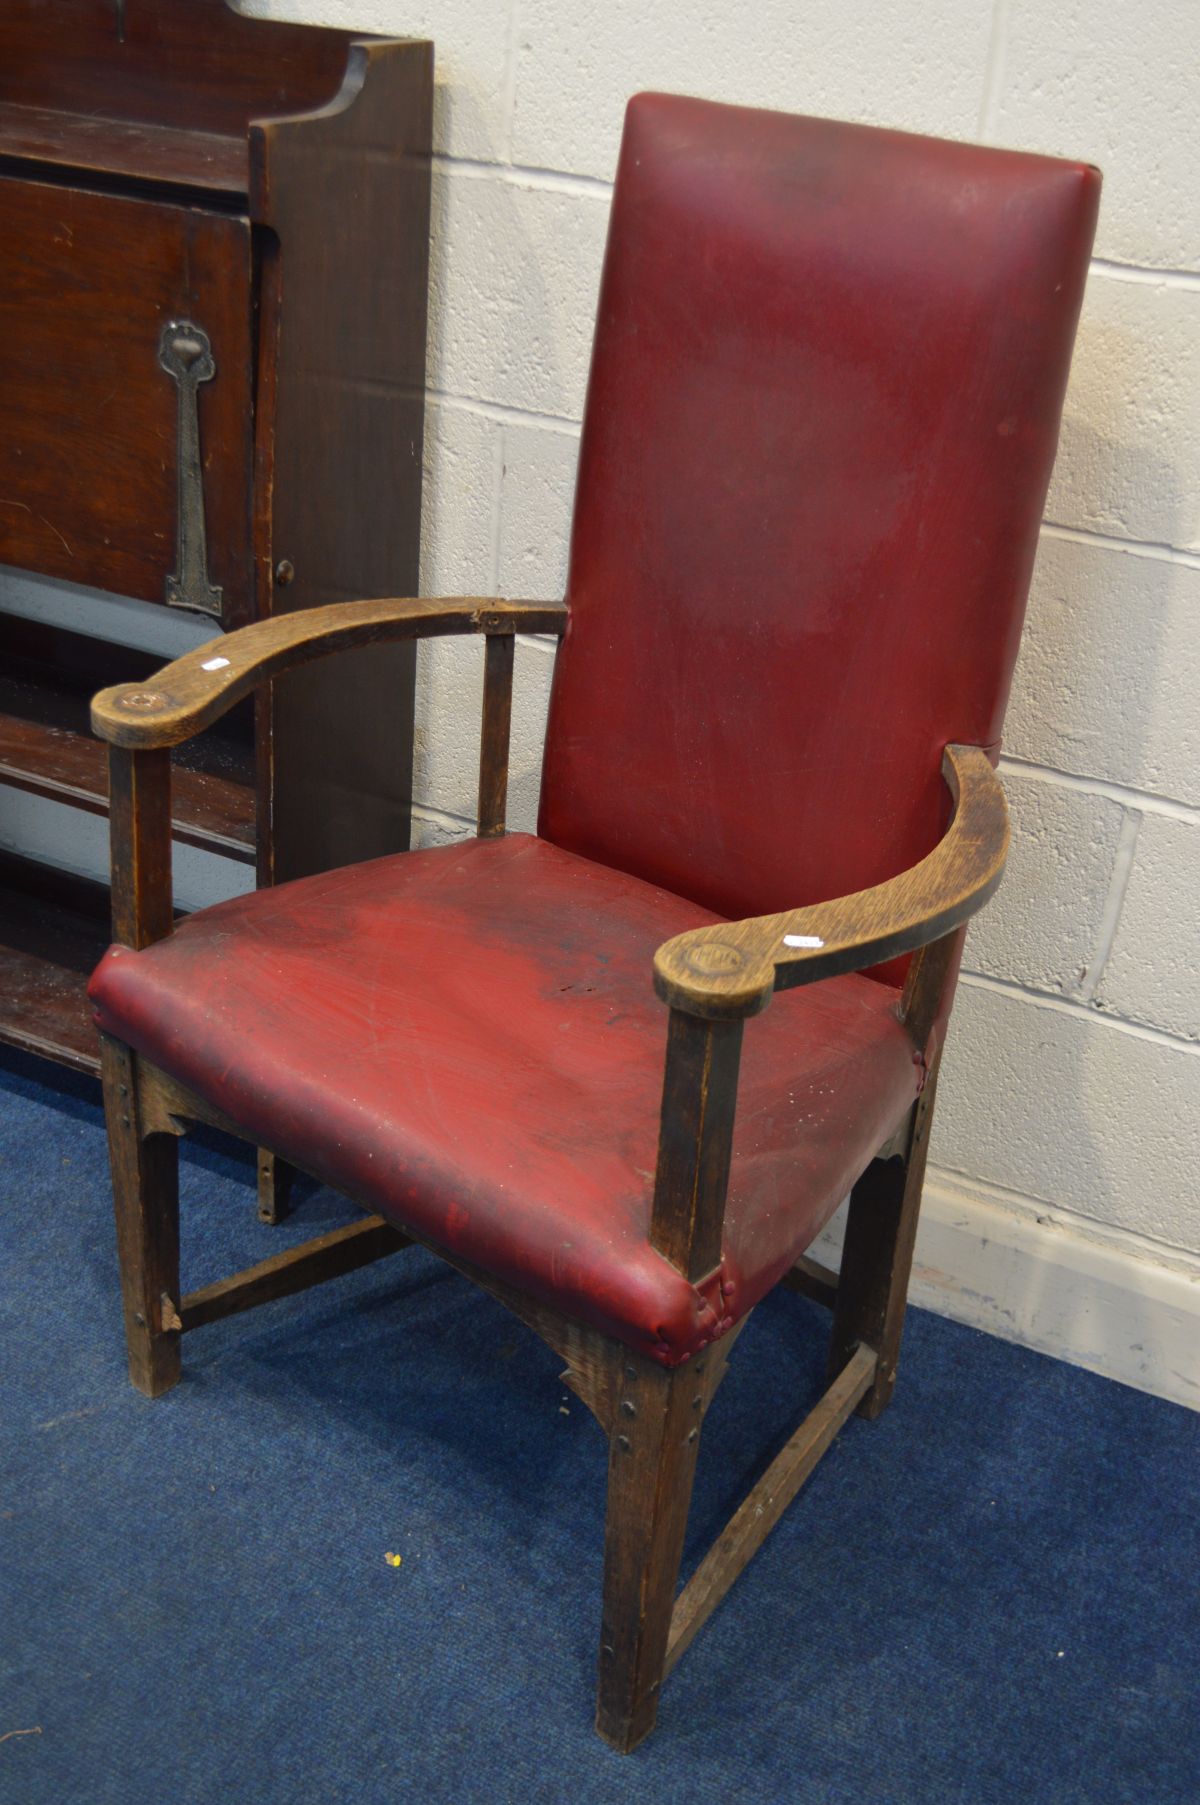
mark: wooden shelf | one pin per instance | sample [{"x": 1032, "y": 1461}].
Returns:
[
  {"x": 53, "y": 926},
  {"x": 53, "y": 929},
  {"x": 209, "y": 812},
  {"x": 47, "y": 749},
  {"x": 47, "y": 143}
]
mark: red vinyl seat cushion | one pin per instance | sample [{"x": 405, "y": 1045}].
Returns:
[{"x": 468, "y": 1040}]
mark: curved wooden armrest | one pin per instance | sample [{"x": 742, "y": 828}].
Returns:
[
  {"x": 731, "y": 970},
  {"x": 194, "y": 691}
]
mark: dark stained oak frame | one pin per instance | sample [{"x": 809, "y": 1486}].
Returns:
[{"x": 711, "y": 979}]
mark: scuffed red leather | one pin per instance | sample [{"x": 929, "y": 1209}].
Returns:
[
  {"x": 467, "y": 1039},
  {"x": 824, "y": 401}
]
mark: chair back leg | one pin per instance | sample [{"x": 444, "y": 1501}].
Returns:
[
  {"x": 877, "y": 1256},
  {"x": 653, "y": 1444},
  {"x": 145, "y": 1178},
  {"x": 275, "y": 1178}
]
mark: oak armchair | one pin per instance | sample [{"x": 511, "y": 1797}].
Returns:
[{"x": 824, "y": 400}]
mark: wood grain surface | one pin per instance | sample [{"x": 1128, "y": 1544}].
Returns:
[
  {"x": 731, "y": 970},
  {"x": 88, "y": 480},
  {"x": 196, "y": 690}
]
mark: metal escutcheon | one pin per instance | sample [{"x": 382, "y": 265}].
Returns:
[{"x": 186, "y": 355}]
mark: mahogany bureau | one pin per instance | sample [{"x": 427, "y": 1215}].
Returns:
[{"x": 214, "y": 241}]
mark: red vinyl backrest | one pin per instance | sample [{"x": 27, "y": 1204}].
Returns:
[{"x": 824, "y": 401}]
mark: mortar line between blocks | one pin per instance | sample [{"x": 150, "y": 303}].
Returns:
[
  {"x": 1118, "y": 884},
  {"x": 1097, "y": 1018},
  {"x": 1134, "y": 548},
  {"x": 994, "y": 69},
  {"x": 500, "y": 410},
  {"x": 1145, "y": 272},
  {"x": 1146, "y": 802},
  {"x": 523, "y": 175},
  {"x": 440, "y": 817}
]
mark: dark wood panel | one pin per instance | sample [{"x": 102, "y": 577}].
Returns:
[
  {"x": 131, "y": 150},
  {"x": 89, "y": 419},
  {"x": 195, "y": 62},
  {"x": 352, "y": 225},
  {"x": 53, "y": 929}
]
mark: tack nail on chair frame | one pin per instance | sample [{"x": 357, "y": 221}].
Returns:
[{"x": 825, "y": 394}]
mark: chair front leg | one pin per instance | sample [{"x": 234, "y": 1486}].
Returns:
[
  {"x": 655, "y": 1423},
  {"x": 145, "y": 1179},
  {"x": 653, "y": 1445}
]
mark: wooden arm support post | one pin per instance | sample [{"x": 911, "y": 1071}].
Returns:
[
  {"x": 695, "y": 1141},
  {"x": 493, "y": 738},
  {"x": 140, "y": 827}
]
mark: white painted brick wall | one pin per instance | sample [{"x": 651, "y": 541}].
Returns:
[
  {"x": 1073, "y": 1081},
  {"x": 536, "y": 492},
  {"x": 1153, "y": 971},
  {"x": 1129, "y": 459},
  {"x": 1109, "y": 672},
  {"x": 1072, "y": 1111},
  {"x": 1121, "y": 79},
  {"x": 1043, "y": 928},
  {"x": 894, "y": 62},
  {"x": 529, "y": 257}
]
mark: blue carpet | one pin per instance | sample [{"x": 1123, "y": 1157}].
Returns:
[{"x": 989, "y": 1595}]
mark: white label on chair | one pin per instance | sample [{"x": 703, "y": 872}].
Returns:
[
  {"x": 803, "y": 940},
  {"x": 214, "y": 664}
]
